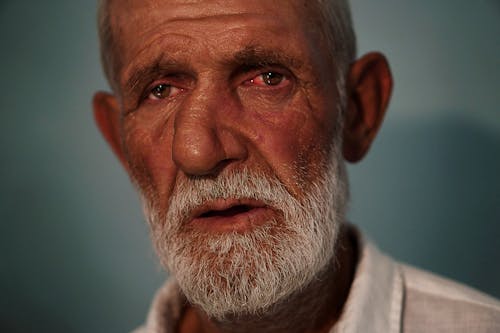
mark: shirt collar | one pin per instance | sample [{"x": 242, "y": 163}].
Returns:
[{"x": 375, "y": 300}]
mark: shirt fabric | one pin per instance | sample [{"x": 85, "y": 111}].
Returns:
[{"x": 385, "y": 297}]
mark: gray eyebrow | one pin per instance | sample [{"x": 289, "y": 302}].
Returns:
[
  {"x": 254, "y": 55},
  {"x": 140, "y": 74}
]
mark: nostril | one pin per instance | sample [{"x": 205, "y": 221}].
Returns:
[{"x": 222, "y": 165}]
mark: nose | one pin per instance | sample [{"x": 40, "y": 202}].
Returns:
[{"x": 204, "y": 140}]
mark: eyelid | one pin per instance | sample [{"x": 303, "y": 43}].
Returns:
[
  {"x": 173, "y": 91},
  {"x": 171, "y": 80},
  {"x": 287, "y": 75}
]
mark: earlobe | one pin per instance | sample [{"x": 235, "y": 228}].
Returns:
[
  {"x": 107, "y": 117},
  {"x": 369, "y": 87}
]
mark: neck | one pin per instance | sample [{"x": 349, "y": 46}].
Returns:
[{"x": 315, "y": 308}]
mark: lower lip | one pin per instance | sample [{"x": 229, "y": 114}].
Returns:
[{"x": 241, "y": 222}]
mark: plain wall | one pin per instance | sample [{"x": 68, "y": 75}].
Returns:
[{"x": 74, "y": 250}]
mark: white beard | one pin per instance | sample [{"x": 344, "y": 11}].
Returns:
[{"x": 228, "y": 274}]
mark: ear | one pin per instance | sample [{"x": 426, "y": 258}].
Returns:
[
  {"x": 107, "y": 116},
  {"x": 369, "y": 87}
]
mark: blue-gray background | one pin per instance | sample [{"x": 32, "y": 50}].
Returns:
[{"x": 74, "y": 251}]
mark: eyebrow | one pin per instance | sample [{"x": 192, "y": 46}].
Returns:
[
  {"x": 151, "y": 71},
  {"x": 257, "y": 56}
]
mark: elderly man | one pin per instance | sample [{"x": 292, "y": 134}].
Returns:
[{"x": 234, "y": 118}]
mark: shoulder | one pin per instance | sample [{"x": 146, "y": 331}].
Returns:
[{"x": 436, "y": 304}]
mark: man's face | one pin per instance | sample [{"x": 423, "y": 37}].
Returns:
[{"x": 230, "y": 129}]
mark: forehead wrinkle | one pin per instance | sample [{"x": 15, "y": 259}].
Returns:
[
  {"x": 254, "y": 53},
  {"x": 175, "y": 25},
  {"x": 129, "y": 24},
  {"x": 219, "y": 17},
  {"x": 139, "y": 58}
]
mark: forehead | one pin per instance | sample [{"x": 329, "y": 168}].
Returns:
[
  {"x": 131, "y": 15},
  {"x": 148, "y": 26}
]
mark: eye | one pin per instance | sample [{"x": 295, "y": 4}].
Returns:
[
  {"x": 162, "y": 91},
  {"x": 268, "y": 79}
]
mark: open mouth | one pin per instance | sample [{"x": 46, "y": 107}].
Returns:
[
  {"x": 227, "y": 208},
  {"x": 231, "y": 211},
  {"x": 230, "y": 215}
]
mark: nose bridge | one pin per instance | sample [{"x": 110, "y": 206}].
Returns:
[
  {"x": 198, "y": 109},
  {"x": 201, "y": 142}
]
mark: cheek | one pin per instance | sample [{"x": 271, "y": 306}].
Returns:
[
  {"x": 295, "y": 143},
  {"x": 148, "y": 153}
]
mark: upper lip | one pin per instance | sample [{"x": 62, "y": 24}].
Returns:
[{"x": 221, "y": 205}]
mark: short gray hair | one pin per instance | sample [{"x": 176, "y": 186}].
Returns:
[{"x": 335, "y": 21}]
